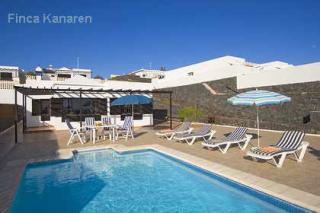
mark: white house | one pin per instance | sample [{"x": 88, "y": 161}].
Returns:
[
  {"x": 54, "y": 108},
  {"x": 248, "y": 75},
  {"x": 146, "y": 73},
  {"x": 60, "y": 74},
  {"x": 9, "y": 73}
]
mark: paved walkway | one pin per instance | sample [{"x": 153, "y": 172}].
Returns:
[{"x": 304, "y": 176}]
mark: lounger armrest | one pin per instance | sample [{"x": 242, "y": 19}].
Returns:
[
  {"x": 305, "y": 143},
  {"x": 249, "y": 136}
]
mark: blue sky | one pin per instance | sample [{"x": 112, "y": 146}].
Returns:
[{"x": 126, "y": 35}]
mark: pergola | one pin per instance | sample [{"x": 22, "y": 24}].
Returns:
[{"x": 32, "y": 91}]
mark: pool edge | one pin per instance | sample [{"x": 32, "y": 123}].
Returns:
[{"x": 309, "y": 201}]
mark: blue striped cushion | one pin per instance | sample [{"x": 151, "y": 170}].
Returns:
[
  {"x": 259, "y": 151},
  {"x": 291, "y": 139},
  {"x": 106, "y": 120},
  {"x": 238, "y": 134},
  {"x": 204, "y": 130},
  {"x": 185, "y": 126},
  {"x": 89, "y": 121},
  {"x": 127, "y": 123},
  {"x": 69, "y": 124}
]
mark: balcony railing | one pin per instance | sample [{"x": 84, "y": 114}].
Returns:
[
  {"x": 62, "y": 78},
  {"x": 7, "y": 84},
  {"x": 30, "y": 77}
]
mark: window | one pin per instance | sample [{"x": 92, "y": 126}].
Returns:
[
  {"x": 36, "y": 107},
  {"x": 70, "y": 108},
  {"x": 190, "y": 73},
  {"x": 41, "y": 107},
  {"x": 64, "y": 76},
  {"x": 6, "y": 76},
  {"x": 45, "y": 110},
  {"x": 126, "y": 110}
]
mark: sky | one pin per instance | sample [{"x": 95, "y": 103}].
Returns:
[{"x": 126, "y": 35}]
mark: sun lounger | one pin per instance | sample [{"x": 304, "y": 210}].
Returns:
[
  {"x": 290, "y": 143},
  {"x": 169, "y": 134},
  {"x": 203, "y": 133},
  {"x": 238, "y": 136}
]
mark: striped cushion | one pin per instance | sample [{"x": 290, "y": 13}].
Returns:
[
  {"x": 185, "y": 126},
  {"x": 203, "y": 131},
  {"x": 69, "y": 124},
  {"x": 89, "y": 122},
  {"x": 291, "y": 139},
  {"x": 259, "y": 151},
  {"x": 106, "y": 120},
  {"x": 127, "y": 123},
  {"x": 238, "y": 134}
]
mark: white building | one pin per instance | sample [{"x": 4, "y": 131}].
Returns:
[
  {"x": 60, "y": 74},
  {"x": 152, "y": 74},
  {"x": 248, "y": 75},
  {"x": 53, "y": 109},
  {"x": 9, "y": 73}
]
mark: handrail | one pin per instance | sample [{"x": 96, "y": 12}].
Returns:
[{"x": 7, "y": 85}]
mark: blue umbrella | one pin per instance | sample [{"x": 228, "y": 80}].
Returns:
[
  {"x": 131, "y": 100},
  {"x": 258, "y": 98}
]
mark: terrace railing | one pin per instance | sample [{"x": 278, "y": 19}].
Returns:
[{"x": 7, "y": 85}]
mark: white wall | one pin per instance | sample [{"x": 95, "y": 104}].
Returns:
[
  {"x": 220, "y": 68},
  {"x": 7, "y": 97},
  {"x": 290, "y": 75},
  {"x": 147, "y": 120},
  {"x": 35, "y": 121},
  {"x": 125, "y": 85}
]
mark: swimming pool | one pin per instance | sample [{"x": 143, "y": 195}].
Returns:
[{"x": 142, "y": 181}]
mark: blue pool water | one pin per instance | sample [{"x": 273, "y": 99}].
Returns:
[{"x": 147, "y": 181}]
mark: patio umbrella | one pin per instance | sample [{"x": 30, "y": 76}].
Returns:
[
  {"x": 258, "y": 98},
  {"x": 131, "y": 100}
]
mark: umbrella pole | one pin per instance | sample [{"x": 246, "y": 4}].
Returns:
[
  {"x": 132, "y": 110},
  {"x": 258, "y": 126}
]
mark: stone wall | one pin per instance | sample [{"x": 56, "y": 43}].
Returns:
[
  {"x": 7, "y": 115},
  {"x": 305, "y": 101}
]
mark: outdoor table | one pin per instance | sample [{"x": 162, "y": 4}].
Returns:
[
  {"x": 92, "y": 130},
  {"x": 113, "y": 127}
]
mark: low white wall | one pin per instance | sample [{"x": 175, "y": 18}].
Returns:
[
  {"x": 7, "y": 97},
  {"x": 147, "y": 120}
]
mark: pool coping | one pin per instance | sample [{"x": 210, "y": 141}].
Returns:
[{"x": 281, "y": 191}]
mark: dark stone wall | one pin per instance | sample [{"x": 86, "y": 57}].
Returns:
[
  {"x": 7, "y": 115},
  {"x": 216, "y": 109}
]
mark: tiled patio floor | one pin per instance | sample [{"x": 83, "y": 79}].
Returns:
[{"x": 304, "y": 176}]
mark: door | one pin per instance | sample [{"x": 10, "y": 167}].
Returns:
[{"x": 45, "y": 110}]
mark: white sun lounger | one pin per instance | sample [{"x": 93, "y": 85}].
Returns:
[
  {"x": 238, "y": 136},
  {"x": 203, "y": 133},
  {"x": 169, "y": 134},
  {"x": 290, "y": 143}
]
